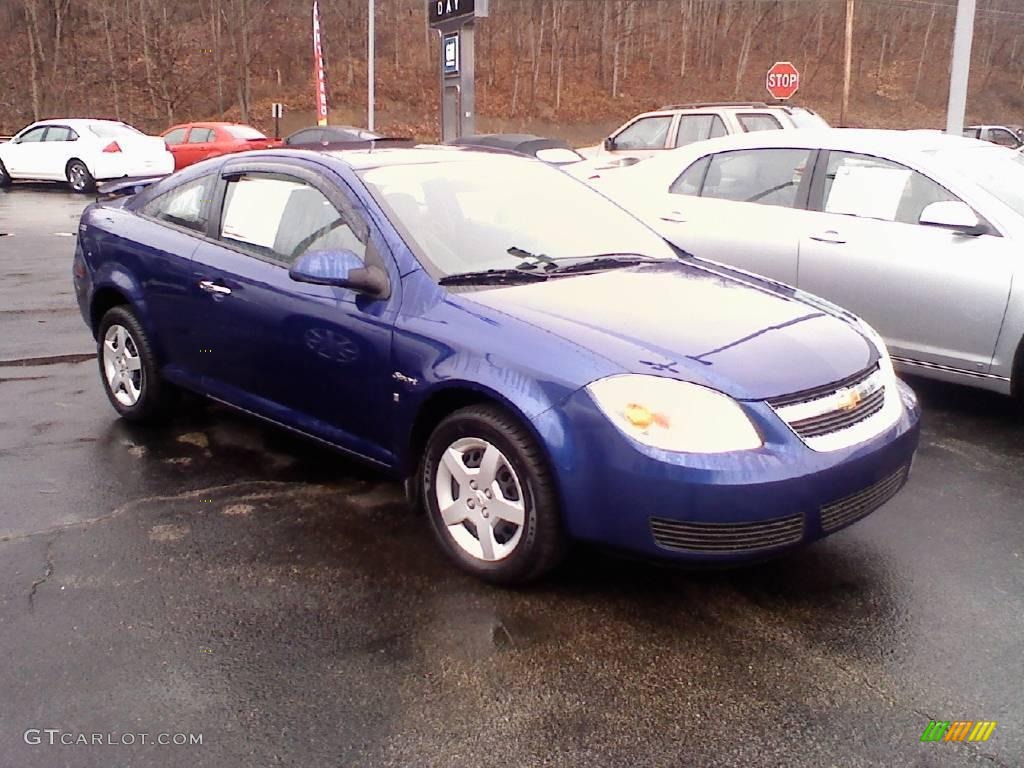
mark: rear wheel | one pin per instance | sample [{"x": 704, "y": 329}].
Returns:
[
  {"x": 5, "y": 177},
  {"x": 79, "y": 177},
  {"x": 490, "y": 498},
  {"x": 128, "y": 369}
]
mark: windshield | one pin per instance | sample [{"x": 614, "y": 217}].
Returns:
[
  {"x": 997, "y": 170},
  {"x": 500, "y": 212},
  {"x": 804, "y": 118},
  {"x": 244, "y": 132},
  {"x": 113, "y": 130}
]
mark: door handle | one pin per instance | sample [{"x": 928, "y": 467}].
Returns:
[
  {"x": 830, "y": 236},
  {"x": 673, "y": 217},
  {"x": 211, "y": 287}
]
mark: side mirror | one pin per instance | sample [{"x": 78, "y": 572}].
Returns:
[
  {"x": 953, "y": 215},
  {"x": 341, "y": 268},
  {"x": 609, "y": 143}
]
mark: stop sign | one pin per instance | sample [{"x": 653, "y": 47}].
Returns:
[{"x": 783, "y": 80}]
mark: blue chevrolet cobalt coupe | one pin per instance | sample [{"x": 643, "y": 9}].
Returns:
[{"x": 538, "y": 365}]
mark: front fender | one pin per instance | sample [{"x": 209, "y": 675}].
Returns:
[{"x": 112, "y": 276}]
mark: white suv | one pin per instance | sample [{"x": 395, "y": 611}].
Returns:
[{"x": 680, "y": 124}]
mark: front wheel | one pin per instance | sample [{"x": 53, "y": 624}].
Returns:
[
  {"x": 79, "y": 177},
  {"x": 490, "y": 497},
  {"x": 128, "y": 369}
]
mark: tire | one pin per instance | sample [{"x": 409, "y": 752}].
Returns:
[
  {"x": 522, "y": 489},
  {"x": 128, "y": 369},
  {"x": 79, "y": 177},
  {"x": 5, "y": 177}
]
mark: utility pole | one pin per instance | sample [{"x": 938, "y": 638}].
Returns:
[
  {"x": 369, "y": 67},
  {"x": 847, "y": 62},
  {"x": 960, "y": 72}
]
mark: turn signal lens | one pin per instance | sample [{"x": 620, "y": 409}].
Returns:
[{"x": 112, "y": 147}]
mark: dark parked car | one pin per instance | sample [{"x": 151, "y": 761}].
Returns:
[
  {"x": 536, "y": 363},
  {"x": 330, "y": 134},
  {"x": 551, "y": 151}
]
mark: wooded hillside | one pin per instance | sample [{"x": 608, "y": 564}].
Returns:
[{"x": 546, "y": 62}]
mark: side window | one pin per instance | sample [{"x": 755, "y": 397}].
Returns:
[
  {"x": 765, "y": 176},
  {"x": 184, "y": 206},
  {"x": 58, "y": 133},
  {"x": 698, "y": 128},
  {"x": 873, "y": 188},
  {"x": 36, "y": 134},
  {"x": 1003, "y": 138},
  {"x": 691, "y": 180},
  {"x": 972, "y": 133},
  {"x": 645, "y": 133},
  {"x": 759, "y": 122},
  {"x": 281, "y": 218},
  {"x": 175, "y": 137},
  {"x": 200, "y": 135}
]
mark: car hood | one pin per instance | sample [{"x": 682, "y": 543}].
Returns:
[{"x": 698, "y": 324}]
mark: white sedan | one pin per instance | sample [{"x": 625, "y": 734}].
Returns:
[
  {"x": 918, "y": 232},
  {"x": 82, "y": 152}
]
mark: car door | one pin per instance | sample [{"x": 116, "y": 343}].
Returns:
[
  {"x": 199, "y": 144},
  {"x": 745, "y": 208},
  {"x": 936, "y": 296},
  {"x": 25, "y": 157},
  {"x": 174, "y": 222},
  {"x": 58, "y": 148},
  {"x": 175, "y": 141},
  {"x": 313, "y": 357}
]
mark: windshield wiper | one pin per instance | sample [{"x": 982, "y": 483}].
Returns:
[
  {"x": 498, "y": 276},
  {"x": 602, "y": 261}
]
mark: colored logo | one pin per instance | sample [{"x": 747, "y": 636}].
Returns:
[
  {"x": 958, "y": 730},
  {"x": 849, "y": 399}
]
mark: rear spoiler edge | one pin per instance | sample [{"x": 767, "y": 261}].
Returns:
[{"x": 127, "y": 186}]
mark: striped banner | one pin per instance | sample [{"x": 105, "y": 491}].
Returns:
[
  {"x": 958, "y": 730},
  {"x": 320, "y": 79}
]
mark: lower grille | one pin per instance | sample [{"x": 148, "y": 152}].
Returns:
[
  {"x": 862, "y": 503},
  {"x": 725, "y": 538}
]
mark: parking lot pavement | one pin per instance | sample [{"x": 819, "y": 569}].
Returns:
[{"x": 222, "y": 578}]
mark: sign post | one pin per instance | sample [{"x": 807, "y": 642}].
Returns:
[
  {"x": 453, "y": 20},
  {"x": 277, "y": 112},
  {"x": 319, "y": 77},
  {"x": 782, "y": 80}
]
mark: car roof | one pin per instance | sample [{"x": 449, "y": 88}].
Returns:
[
  {"x": 848, "y": 139},
  {"x": 76, "y": 121},
  {"x": 363, "y": 159}
]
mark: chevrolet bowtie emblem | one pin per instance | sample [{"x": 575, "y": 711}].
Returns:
[{"x": 848, "y": 400}]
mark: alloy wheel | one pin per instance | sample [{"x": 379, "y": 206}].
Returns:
[
  {"x": 122, "y": 365},
  {"x": 480, "y": 499}
]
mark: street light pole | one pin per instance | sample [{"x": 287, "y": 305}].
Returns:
[
  {"x": 369, "y": 68},
  {"x": 960, "y": 73}
]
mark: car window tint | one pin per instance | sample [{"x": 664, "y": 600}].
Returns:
[
  {"x": 36, "y": 134},
  {"x": 175, "y": 137},
  {"x": 1004, "y": 138},
  {"x": 765, "y": 176},
  {"x": 759, "y": 122},
  {"x": 200, "y": 135},
  {"x": 690, "y": 180},
  {"x": 58, "y": 133},
  {"x": 312, "y": 136},
  {"x": 281, "y": 218},
  {"x": 698, "y": 128},
  {"x": 184, "y": 206},
  {"x": 645, "y": 133},
  {"x": 873, "y": 188}
]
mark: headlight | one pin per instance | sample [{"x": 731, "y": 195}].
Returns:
[{"x": 674, "y": 415}]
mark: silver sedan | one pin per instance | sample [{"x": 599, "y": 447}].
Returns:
[{"x": 920, "y": 233}]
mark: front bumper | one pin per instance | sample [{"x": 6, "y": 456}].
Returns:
[{"x": 725, "y": 507}]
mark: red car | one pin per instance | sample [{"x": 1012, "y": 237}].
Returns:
[{"x": 192, "y": 142}]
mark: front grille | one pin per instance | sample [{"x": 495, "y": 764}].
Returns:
[
  {"x": 816, "y": 415},
  {"x": 727, "y": 538},
  {"x": 833, "y": 421},
  {"x": 862, "y": 503}
]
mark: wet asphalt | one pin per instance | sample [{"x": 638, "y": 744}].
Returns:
[{"x": 219, "y": 577}]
